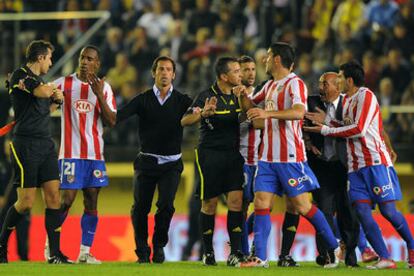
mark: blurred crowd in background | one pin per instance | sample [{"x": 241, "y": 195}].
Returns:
[{"x": 325, "y": 33}]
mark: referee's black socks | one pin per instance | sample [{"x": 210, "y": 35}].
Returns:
[
  {"x": 11, "y": 220},
  {"x": 289, "y": 228},
  {"x": 235, "y": 228},
  {"x": 207, "y": 230},
  {"x": 53, "y": 227}
]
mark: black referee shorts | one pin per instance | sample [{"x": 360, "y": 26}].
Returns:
[
  {"x": 34, "y": 161},
  {"x": 221, "y": 171}
]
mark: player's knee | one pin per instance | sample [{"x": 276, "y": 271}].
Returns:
[
  {"x": 261, "y": 202},
  {"x": 52, "y": 200},
  {"x": 24, "y": 205},
  {"x": 209, "y": 207}
]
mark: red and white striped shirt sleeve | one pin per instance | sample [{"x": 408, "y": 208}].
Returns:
[
  {"x": 298, "y": 92},
  {"x": 110, "y": 97},
  {"x": 366, "y": 110},
  {"x": 261, "y": 95}
]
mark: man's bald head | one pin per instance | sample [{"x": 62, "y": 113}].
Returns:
[{"x": 328, "y": 86}]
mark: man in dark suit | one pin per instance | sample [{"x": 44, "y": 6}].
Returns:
[{"x": 327, "y": 158}]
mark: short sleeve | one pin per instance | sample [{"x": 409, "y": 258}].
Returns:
[{"x": 109, "y": 97}]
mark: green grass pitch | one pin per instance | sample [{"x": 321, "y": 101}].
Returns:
[{"x": 185, "y": 268}]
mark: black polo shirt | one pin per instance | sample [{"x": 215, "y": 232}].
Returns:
[
  {"x": 31, "y": 113},
  {"x": 220, "y": 131}
]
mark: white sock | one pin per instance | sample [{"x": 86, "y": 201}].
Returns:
[{"x": 84, "y": 249}]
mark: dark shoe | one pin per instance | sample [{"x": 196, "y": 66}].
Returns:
[
  {"x": 158, "y": 256},
  {"x": 59, "y": 258},
  {"x": 321, "y": 260},
  {"x": 286, "y": 261},
  {"x": 332, "y": 261},
  {"x": 236, "y": 259},
  {"x": 209, "y": 259},
  {"x": 3, "y": 255},
  {"x": 143, "y": 255}
]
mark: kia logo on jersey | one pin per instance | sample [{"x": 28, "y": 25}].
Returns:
[{"x": 83, "y": 106}]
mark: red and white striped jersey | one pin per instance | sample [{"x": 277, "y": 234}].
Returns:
[
  {"x": 249, "y": 142},
  {"x": 363, "y": 130},
  {"x": 81, "y": 123},
  {"x": 282, "y": 139}
]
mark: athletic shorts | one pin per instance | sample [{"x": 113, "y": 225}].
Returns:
[
  {"x": 248, "y": 185},
  {"x": 374, "y": 183},
  {"x": 77, "y": 174},
  {"x": 34, "y": 161},
  {"x": 291, "y": 179},
  {"x": 221, "y": 171}
]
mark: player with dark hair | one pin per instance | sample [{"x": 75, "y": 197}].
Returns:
[
  {"x": 159, "y": 164},
  {"x": 88, "y": 106},
  {"x": 218, "y": 158},
  {"x": 371, "y": 175},
  {"x": 33, "y": 152},
  {"x": 282, "y": 166}
]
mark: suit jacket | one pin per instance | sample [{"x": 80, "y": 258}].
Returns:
[{"x": 318, "y": 139}]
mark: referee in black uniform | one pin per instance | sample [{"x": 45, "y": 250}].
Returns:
[
  {"x": 159, "y": 163},
  {"x": 218, "y": 158},
  {"x": 34, "y": 157}
]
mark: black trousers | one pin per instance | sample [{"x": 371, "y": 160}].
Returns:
[
  {"x": 148, "y": 176},
  {"x": 332, "y": 198}
]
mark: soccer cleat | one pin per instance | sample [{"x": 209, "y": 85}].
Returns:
[
  {"x": 383, "y": 264},
  {"x": 369, "y": 255},
  {"x": 209, "y": 259},
  {"x": 87, "y": 258},
  {"x": 46, "y": 250},
  {"x": 59, "y": 258},
  {"x": 254, "y": 262},
  {"x": 158, "y": 255},
  {"x": 235, "y": 259},
  {"x": 286, "y": 261},
  {"x": 410, "y": 262},
  {"x": 342, "y": 252},
  {"x": 332, "y": 260},
  {"x": 3, "y": 255}
]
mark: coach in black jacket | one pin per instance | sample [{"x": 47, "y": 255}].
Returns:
[
  {"x": 327, "y": 158},
  {"x": 159, "y": 164}
]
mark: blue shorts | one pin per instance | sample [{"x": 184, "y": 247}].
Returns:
[
  {"x": 249, "y": 174},
  {"x": 375, "y": 183},
  {"x": 291, "y": 179},
  {"x": 77, "y": 174}
]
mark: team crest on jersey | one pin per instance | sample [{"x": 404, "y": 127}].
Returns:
[
  {"x": 70, "y": 178},
  {"x": 98, "y": 173},
  {"x": 347, "y": 121},
  {"x": 279, "y": 88},
  {"x": 83, "y": 106},
  {"x": 269, "y": 105}
]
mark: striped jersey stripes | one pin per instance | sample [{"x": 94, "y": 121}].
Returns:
[
  {"x": 81, "y": 123},
  {"x": 249, "y": 142},
  {"x": 282, "y": 139},
  {"x": 363, "y": 130}
]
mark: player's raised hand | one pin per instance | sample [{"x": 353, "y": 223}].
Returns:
[
  {"x": 96, "y": 83},
  {"x": 318, "y": 116},
  {"x": 256, "y": 113}
]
